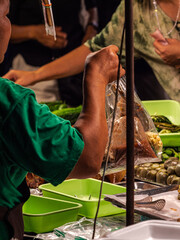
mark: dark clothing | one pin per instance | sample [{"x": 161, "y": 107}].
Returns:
[
  {"x": 66, "y": 15},
  {"x": 105, "y": 10},
  {"x": 146, "y": 84}
]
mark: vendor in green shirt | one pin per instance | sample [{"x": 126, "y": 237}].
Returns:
[
  {"x": 32, "y": 139},
  {"x": 164, "y": 60}
]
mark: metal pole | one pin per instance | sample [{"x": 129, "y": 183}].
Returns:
[{"x": 130, "y": 112}]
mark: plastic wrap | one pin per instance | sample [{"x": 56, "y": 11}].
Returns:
[
  {"x": 83, "y": 229},
  {"x": 48, "y": 18},
  {"x": 147, "y": 143}
]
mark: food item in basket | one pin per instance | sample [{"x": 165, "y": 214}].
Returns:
[
  {"x": 171, "y": 170},
  {"x": 142, "y": 147},
  {"x": 177, "y": 169},
  {"x": 169, "y": 152},
  {"x": 175, "y": 180},
  {"x": 164, "y": 125},
  {"x": 151, "y": 175},
  {"x": 161, "y": 177},
  {"x": 170, "y": 178},
  {"x": 172, "y": 161}
]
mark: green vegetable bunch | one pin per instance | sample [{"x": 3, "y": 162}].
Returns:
[
  {"x": 164, "y": 125},
  {"x": 170, "y": 152}
]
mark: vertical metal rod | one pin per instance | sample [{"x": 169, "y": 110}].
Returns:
[{"x": 130, "y": 112}]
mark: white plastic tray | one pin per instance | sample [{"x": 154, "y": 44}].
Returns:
[{"x": 148, "y": 230}]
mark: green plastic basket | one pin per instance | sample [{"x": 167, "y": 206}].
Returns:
[
  {"x": 85, "y": 192},
  {"x": 42, "y": 214},
  {"x": 170, "y": 109}
]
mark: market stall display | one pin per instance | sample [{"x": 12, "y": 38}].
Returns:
[
  {"x": 42, "y": 214},
  {"x": 154, "y": 175},
  {"x": 169, "y": 109},
  {"x": 168, "y": 195},
  {"x": 85, "y": 192}
]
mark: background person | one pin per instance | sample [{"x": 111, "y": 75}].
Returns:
[
  {"x": 145, "y": 23},
  {"x": 31, "y": 48}
]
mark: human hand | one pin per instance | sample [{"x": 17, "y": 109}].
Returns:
[
  {"x": 90, "y": 32},
  {"x": 104, "y": 64},
  {"x": 23, "y": 78},
  {"x": 169, "y": 53},
  {"x": 39, "y": 34}
]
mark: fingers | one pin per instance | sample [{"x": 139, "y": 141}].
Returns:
[
  {"x": 158, "y": 52},
  {"x": 105, "y": 63},
  {"x": 10, "y": 75}
]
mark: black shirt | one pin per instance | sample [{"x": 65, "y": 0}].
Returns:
[{"x": 66, "y": 15}]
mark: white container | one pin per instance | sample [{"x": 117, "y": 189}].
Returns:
[{"x": 148, "y": 230}]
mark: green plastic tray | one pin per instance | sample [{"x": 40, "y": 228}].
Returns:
[
  {"x": 170, "y": 109},
  {"x": 85, "y": 192},
  {"x": 42, "y": 214}
]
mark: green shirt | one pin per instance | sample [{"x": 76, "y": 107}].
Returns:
[
  {"x": 32, "y": 139},
  {"x": 144, "y": 23}
]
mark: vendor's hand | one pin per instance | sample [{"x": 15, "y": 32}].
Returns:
[
  {"x": 169, "y": 53},
  {"x": 104, "y": 64},
  {"x": 40, "y": 35},
  {"x": 23, "y": 78}
]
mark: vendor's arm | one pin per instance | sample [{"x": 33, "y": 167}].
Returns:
[
  {"x": 70, "y": 64},
  {"x": 100, "y": 69},
  {"x": 40, "y": 142},
  {"x": 169, "y": 53},
  {"x": 38, "y": 33}
]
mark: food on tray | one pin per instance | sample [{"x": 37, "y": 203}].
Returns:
[
  {"x": 170, "y": 152},
  {"x": 164, "y": 125},
  {"x": 163, "y": 173}
]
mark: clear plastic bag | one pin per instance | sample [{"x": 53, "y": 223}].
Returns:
[
  {"x": 83, "y": 229},
  {"x": 48, "y": 18},
  {"x": 147, "y": 143}
]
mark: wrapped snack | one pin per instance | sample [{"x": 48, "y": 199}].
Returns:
[
  {"x": 147, "y": 143},
  {"x": 48, "y": 18}
]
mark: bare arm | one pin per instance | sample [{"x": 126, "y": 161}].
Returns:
[
  {"x": 92, "y": 25},
  {"x": 70, "y": 64},
  {"x": 37, "y": 33},
  {"x": 101, "y": 68}
]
